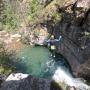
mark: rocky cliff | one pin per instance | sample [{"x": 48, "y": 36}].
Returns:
[
  {"x": 71, "y": 19},
  {"x": 75, "y": 30}
]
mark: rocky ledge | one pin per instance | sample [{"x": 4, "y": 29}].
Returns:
[{"x": 19, "y": 81}]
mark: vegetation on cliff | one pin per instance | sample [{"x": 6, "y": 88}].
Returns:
[
  {"x": 16, "y": 14},
  {"x": 5, "y": 61},
  {"x": 68, "y": 17}
]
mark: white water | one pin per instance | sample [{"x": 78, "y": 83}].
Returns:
[
  {"x": 60, "y": 76},
  {"x": 33, "y": 61}
]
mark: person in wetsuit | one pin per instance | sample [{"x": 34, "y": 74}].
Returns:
[{"x": 51, "y": 43}]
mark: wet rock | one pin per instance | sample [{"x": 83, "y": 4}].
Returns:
[
  {"x": 21, "y": 81},
  {"x": 27, "y": 83},
  {"x": 84, "y": 71},
  {"x": 2, "y": 79}
]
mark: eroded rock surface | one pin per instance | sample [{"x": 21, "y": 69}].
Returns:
[
  {"x": 21, "y": 81},
  {"x": 75, "y": 30}
]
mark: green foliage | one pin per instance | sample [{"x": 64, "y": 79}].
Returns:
[
  {"x": 5, "y": 70},
  {"x": 10, "y": 18},
  {"x": 30, "y": 12},
  {"x": 34, "y": 8},
  {"x": 57, "y": 17},
  {"x": 4, "y": 57},
  {"x": 1, "y": 11},
  {"x": 5, "y": 61}
]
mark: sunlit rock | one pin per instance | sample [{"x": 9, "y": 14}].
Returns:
[{"x": 17, "y": 76}]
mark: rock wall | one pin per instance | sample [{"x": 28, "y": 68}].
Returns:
[
  {"x": 74, "y": 26},
  {"x": 75, "y": 31}
]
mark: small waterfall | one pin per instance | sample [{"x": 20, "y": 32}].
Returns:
[
  {"x": 61, "y": 76},
  {"x": 38, "y": 60}
]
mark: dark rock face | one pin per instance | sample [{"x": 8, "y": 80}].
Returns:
[
  {"x": 45, "y": 2},
  {"x": 85, "y": 71},
  {"x": 75, "y": 31},
  {"x": 30, "y": 83},
  {"x": 2, "y": 78}
]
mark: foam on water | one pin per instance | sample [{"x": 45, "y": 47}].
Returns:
[
  {"x": 61, "y": 76},
  {"x": 38, "y": 62}
]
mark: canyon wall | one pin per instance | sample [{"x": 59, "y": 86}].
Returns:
[{"x": 75, "y": 30}]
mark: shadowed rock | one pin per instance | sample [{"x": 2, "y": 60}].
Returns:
[{"x": 28, "y": 82}]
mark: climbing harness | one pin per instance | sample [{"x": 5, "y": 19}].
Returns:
[{"x": 53, "y": 47}]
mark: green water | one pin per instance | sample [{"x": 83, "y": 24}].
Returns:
[{"x": 38, "y": 62}]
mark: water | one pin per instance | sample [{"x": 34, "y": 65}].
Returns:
[
  {"x": 61, "y": 76},
  {"x": 38, "y": 62}
]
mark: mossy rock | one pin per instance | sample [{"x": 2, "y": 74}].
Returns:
[
  {"x": 6, "y": 70},
  {"x": 57, "y": 17},
  {"x": 1, "y": 70}
]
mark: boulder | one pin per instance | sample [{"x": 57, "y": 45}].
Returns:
[{"x": 19, "y": 81}]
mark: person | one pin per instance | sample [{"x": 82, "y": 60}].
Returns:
[{"x": 51, "y": 43}]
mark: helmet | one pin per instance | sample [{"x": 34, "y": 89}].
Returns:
[{"x": 52, "y": 36}]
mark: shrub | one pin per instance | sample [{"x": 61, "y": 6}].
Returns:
[
  {"x": 6, "y": 63},
  {"x": 10, "y": 18},
  {"x": 57, "y": 17},
  {"x": 34, "y": 8}
]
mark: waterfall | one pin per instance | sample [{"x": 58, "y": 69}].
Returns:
[{"x": 61, "y": 76}]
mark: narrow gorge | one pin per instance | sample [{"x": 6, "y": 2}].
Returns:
[{"x": 25, "y": 28}]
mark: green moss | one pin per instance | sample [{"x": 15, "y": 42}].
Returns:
[
  {"x": 10, "y": 19},
  {"x": 6, "y": 70},
  {"x": 6, "y": 62},
  {"x": 64, "y": 86},
  {"x": 57, "y": 17},
  {"x": 1, "y": 70},
  {"x": 34, "y": 8}
]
